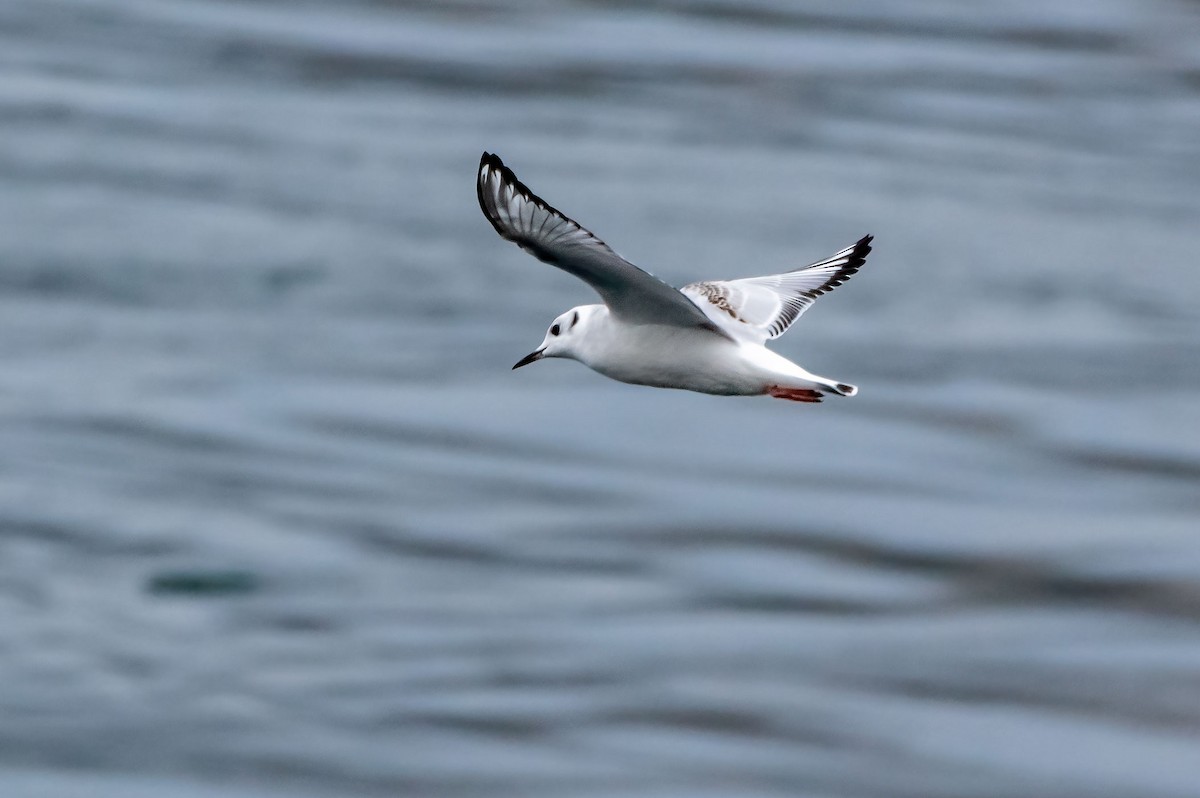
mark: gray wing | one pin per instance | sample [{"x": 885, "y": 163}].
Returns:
[
  {"x": 631, "y": 294},
  {"x": 758, "y": 308}
]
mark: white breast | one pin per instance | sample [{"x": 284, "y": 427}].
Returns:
[{"x": 676, "y": 357}]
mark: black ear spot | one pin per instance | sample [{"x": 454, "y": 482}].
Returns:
[
  {"x": 574, "y": 320},
  {"x": 554, "y": 329}
]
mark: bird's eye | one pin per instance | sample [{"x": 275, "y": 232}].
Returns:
[{"x": 554, "y": 330}]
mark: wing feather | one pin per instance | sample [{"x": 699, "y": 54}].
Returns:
[
  {"x": 764, "y": 307},
  {"x": 549, "y": 235}
]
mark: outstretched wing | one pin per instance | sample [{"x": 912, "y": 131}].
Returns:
[
  {"x": 631, "y": 294},
  {"x": 759, "y": 308}
]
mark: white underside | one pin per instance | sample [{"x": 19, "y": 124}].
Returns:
[{"x": 693, "y": 359}]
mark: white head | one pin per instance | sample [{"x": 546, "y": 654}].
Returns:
[{"x": 565, "y": 336}]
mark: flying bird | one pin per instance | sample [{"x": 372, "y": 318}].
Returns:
[{"x": 707, "y": 336}]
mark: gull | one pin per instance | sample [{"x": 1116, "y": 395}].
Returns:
[{"x": 707, "y": 337}]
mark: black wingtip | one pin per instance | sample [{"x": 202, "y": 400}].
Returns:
[
  {"x": 489, "y": 162},
  {"x": 856, "y": 259}
]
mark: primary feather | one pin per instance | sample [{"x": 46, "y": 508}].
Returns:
[
  {"x": 760, "y": 308},
  {"x": 549, "y": 235}
]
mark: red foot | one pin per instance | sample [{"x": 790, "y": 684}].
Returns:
[{"x": 794, "y": 394}]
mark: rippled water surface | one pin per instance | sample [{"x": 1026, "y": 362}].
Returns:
[{"x": 277, "y": 519}]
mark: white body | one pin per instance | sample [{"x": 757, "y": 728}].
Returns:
[{"x": 690, "y": 358}]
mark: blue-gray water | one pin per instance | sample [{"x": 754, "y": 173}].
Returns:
[{"x": 277, "y": 519}]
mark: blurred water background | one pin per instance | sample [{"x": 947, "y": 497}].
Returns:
[{"x": 277, "y": 519}]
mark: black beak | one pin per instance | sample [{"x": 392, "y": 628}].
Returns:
[{"x": 531, "y": 357}]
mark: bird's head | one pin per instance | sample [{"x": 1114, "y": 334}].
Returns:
[{"x": 564, "y": 336}]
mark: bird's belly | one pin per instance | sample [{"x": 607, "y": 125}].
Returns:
[{"x": 692, "y": 361}]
